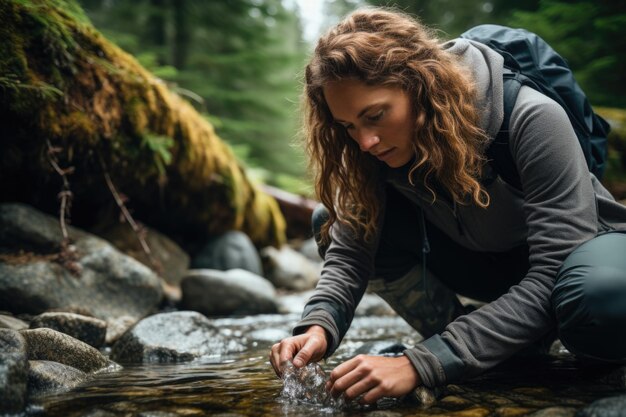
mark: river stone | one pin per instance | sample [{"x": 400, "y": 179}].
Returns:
[
  {"x": 289, "y": 269},
  {"x": 606, "y": 407},
  {"x": 50, "y": 345},
  {"x": 13, "y": 371},
  {"x": 233, "y": 292},
  {"x": 172, "y": 337},
  {"x": 171, "y": 258},
  {"x": 45, "y": 377},
  {"x": 109, "y": 285},
  {"x": 232, "y": 250},
  {"x": 13, "y": 323},
  {"x": 554, "y": 412},
  {"x": 87, "y": 329}
]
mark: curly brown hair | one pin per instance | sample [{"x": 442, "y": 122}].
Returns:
[{"x": 389, "y": 48}]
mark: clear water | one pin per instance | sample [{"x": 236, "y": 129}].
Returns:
[{"x": 244, "y": 384}]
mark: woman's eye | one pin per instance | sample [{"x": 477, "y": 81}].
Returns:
[{"x": 376, "y": 117}]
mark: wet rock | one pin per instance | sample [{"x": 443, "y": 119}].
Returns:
[
  {"x": 117, "y": 327},
  {"x": 13, "y": 371},
  {"x": 172, "y": 337},
  {"x": 606, "y": 407},
  {"x": 113, "y": 284},
  {"x": 13, "y": 323},
  {"x": 45, "y": 377},
  {"x": 554, "y": 412},
  {"x": 232, "y": 250},
  {"x": 87, "y": 329},
  {"x": 306, "y": 384},
  {"x": 236, "y": 291},
  {"x": 386, "y": 348},
  {"x": 171, "y": 260},
  {"x": 373, "y": 305},
  {"x": 50, "y": 345},
  {"x": 289, "y": 269}
]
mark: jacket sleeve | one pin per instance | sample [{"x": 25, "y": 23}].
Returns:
[
  {"x": 560, "y": 213},
  {"x": 348, "y": 266}
]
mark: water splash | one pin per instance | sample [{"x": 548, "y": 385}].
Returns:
[{"x": 308, "y": 385}]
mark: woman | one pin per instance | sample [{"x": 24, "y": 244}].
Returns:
[{"x": 397, "y": 126}]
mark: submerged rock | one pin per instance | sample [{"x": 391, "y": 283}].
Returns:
[
  {"x": 101, "y": 282},
  {"x": 236, "y": 291},
  {"x": 86, "y": 329},
  {"x": 172, "y": 337},
  {"x": 289, "y": 269},
  {"x": 232, "y": 250},
  {"x": 50, "y": 345},
  {"x": 45, "y": 377},
  {"x": 13, "y": 371},
  {"x": 306, "y": 384}
]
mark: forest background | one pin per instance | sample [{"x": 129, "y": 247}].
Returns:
[{"x": 240, "y": 62}]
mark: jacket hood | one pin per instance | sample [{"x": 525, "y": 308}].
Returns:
[{"x": 485, "y": 67}]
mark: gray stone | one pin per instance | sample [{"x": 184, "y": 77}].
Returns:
[
  {"x": 309, "y": 249},
  {"x": 10, "y": 322},
  {"x": 606, "y": 407},
  {"x": 289, "y": 269},
  {"x": 87, "y": 329},
  {"x": 45, "y": 377},
  {"x": 232, "y": 250},
  {"x": 172, "y": 261},
  {"x": 108, "y": 284},
  {"x": 13, "y": 371},
  {"x": 293, "y": 303},
  {"x": 172, "y": 337},
  {"x": 50, "y": 345},
  {"x": 236, "y": 291}
]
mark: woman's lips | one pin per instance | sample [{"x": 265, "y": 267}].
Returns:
[{"x": 385, "y": 154}]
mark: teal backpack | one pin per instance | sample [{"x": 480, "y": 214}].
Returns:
[{"x": 530, "y": 61}]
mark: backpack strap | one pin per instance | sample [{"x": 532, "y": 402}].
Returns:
[{"x": 498, "y": 153}]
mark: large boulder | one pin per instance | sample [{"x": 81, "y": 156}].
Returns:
[
  {"x": 50, "y": 345},
  {"x": 13, "y": 371},
  {"x": 173, "y": 337},
  {"x": 289, "y": 269},
  {"x": 233, "y": 292},
  {"x": 605, "y": 407},
  {"x": 91, "y": 277},
  {"x": 86, "y": 329},
  {"x": 231, "y": 250}
]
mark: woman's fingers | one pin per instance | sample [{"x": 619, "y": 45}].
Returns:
[{"x": 301, "y": 349}]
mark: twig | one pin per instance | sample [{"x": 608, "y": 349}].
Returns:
[{"x": 139, "y": 231}]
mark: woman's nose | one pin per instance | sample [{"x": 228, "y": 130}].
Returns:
[{"x": 366, "y": 139}]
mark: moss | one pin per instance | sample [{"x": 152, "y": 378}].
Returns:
[{"x": 63, "y": 81}]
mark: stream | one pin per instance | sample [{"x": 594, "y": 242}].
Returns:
[{"x": 244, "y": 384}]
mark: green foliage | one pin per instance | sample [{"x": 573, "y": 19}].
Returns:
[{"x": 161, "y": 147}]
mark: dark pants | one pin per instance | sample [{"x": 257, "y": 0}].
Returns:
[{"x": 589, "y": 298}]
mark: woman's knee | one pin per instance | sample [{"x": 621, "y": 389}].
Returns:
[{"x": 589, "y": 299}]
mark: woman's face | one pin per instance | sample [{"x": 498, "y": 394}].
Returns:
[{"x": 378, "y": 118}]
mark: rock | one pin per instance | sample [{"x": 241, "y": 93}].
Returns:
[
  {"x": 157, "y": 414},
  {"x": 10, "y": 322},
  {"x": 289, "y": 269},
  {"x": 45, "y": 377},
  {"x": 554, "y": 412},
  {"x": 232, "y": 250},
  {"x": 171, "y": 259},
  {"x": 236, "y": 291},
  {"x": 13, "y": 371},
  {"x": 373, "y": 305},
  {"x": 113, "y": 284},
  {"x": 172, "y": 337},
  {"x": 293, "y": 303},
  {"x": 117, "y": 327},
  {"x": 309, "y": 249},
  {"x": 606, "y": 407},
  {"x": 87, "y": 329},
  {"x": 381, "y": 347},
  {"x": 50, "y": 345}
]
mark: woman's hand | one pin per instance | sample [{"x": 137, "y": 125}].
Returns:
[
  {"x": 302, "y": 349},
  {"x": 373, "y": 376}
]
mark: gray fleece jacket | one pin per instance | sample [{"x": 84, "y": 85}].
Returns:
[{"x": 561, "y": 206}]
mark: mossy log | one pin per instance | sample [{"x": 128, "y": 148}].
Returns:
[{"x": 68, "y": 93}]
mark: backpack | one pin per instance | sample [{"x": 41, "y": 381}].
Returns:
[{"x": 529, "y": 60}]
